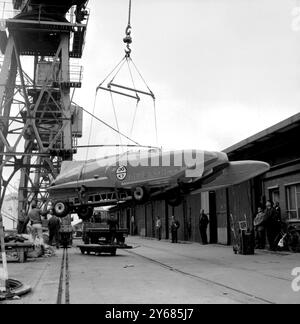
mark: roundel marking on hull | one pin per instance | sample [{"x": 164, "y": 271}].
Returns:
[{"x": 121, "y": 173}]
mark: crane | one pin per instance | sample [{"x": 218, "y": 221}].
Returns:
[
  {"x": 38, "y": 121},
  {"x": 36, "y": 112}
]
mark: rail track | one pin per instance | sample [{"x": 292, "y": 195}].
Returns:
[{"x": 63, "y": 295}]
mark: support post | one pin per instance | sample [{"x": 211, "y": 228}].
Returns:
[
  {"x": 66, "y": 102},
  {"x": 8, "y": 77},
  {"x": 4, "y": 269}
]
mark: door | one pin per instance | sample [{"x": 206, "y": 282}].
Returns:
[
  {"x": 213, "y": 218},
  {"x": 167, "y": 221},
  {"x": 185, "y": 221},
  {"x": 128, "y": 218},
  {"x": 274, "y": 195}
]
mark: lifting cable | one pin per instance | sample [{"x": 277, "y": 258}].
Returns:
[
  {"x": 94, "y": 117},
  {"x": 132, "y": 92},
  {"x": 117, "y": 145},
  {"x": 116, "y": 117},
  {"x": 137, "y": 102},
  {"x": 153, "y": 97}
]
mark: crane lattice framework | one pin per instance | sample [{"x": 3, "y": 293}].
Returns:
[{"x": 39, "y": 124}]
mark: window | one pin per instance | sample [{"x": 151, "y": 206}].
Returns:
[
  {"x": 293, "y": 201},
  {"x": 274, "y": 194}
]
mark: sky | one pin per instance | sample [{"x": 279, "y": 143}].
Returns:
[{"x": 221, "y": 70}]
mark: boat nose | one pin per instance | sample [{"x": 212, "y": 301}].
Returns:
[
  {"x": 214, "y": 159},
  {"x": 210, "y": 157},
  {"x": 206, "y": 159}
]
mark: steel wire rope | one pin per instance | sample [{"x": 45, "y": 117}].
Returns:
[
  {"x": 138, "y": 101},
  {"x": 118, "y": 68},
  {"x": 153, "y": 97},
  {"x": 109, "y": 126},
  {"x": 116, "y": 117},
  {"x": 129, "y": 15}
]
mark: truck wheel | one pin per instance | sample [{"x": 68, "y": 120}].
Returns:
[
  {"x": 61, "y": 209},
  {"x": 85, "y": 213}
]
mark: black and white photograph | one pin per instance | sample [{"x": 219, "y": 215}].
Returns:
[{"x": 149, "y": 155}]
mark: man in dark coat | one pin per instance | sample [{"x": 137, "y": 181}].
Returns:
[
  {"x": 113, "y": 227},
  {"x": 203, "y": 224},
  {"x": 278, "y": 212},
  {"x": 174, "y": 229},
  {"x": 272, "y": 225},
  {"x": 54, "y": 227}
]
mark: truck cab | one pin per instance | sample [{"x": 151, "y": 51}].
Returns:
[{"x": 96, "y": 231}]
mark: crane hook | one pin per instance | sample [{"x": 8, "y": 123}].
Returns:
[{"x": 128, "y": 40}]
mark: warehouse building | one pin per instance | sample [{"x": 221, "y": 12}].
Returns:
[{"x": 277, "y": 145}]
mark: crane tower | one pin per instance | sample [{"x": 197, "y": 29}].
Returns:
[{"x": 41, "y": 42}]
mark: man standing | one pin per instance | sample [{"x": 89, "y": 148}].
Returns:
[
  {"x": 278, "y": 212},
  {"x": 22, "y": 222},
  {"x": 113, "y": 227},
  {"x": 174, "y": 229},
  {"x": 66, "y": 232},
  {"x": 132, "y": 225},
  {"x": 158, "y": 228},
  {"x": 54, "y": 227},
  {"x": 203, "y": 224},
  {"x": 278, "y": 222},
  {"x": 260, "y": 235},
  {"x": 271, "y": 224},
  {"x": 36, "y": 221}
]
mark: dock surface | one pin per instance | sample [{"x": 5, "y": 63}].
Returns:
[{"x": 156, "y": 272}]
